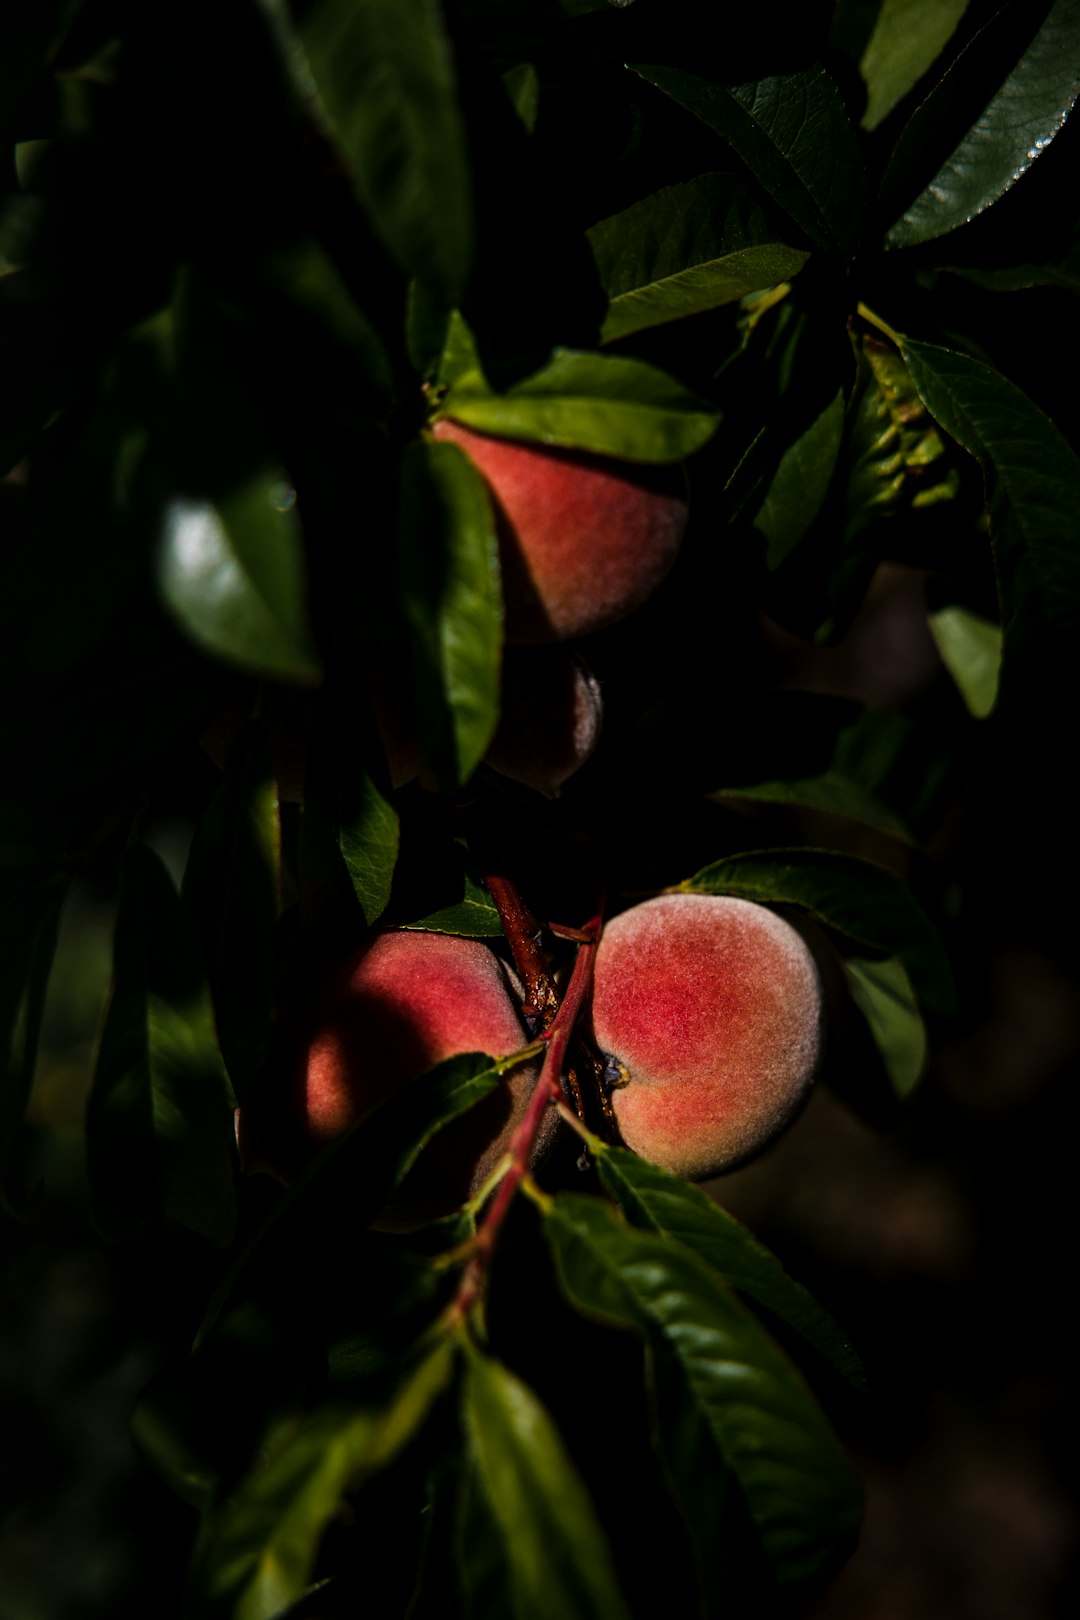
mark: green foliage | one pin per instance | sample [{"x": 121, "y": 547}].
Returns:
[{"x": 243, "y": 272}]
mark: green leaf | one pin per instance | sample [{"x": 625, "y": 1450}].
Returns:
[
  {"x": 865, "y": 902},
  {"x": 793, "y": 1475},
  {"x": 232, "y": 887},
  {"x": 1032, "y": 480},
  {"x": 657, "y": 1201},
  {"x": 970, "y": 648},
  {"x": 450, "y": 583},
  {"x": 688, "y": 248},
  {"x": 601, "y": 403},
  {"x": 801, "y": 483},
  {"x": 882, "y": 991},
  {"x": 384, "y": 74},
  {"x": 231, "y": 572},
  {"x": 29, "y": 922},
  {"x": 369, "y": 836},
  {"x": 475, "y": 915},
  {"x": 1016, "y": 125},
  {"x": 259, "y": 1550},
  {"x": 159, "y": 1120},
  {"x": 835, "y": 794},
  {"x": 554, "y": 1555},
  {"x": 908, "y": 37},
  {"x": 793, "y": 133}
]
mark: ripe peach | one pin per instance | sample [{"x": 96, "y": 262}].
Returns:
[
  {"x": 712, "y": 1007},
  {"x": 584, "y": 539},
  {"x": 402, "y": 1003},
  {"x": 551, "y": 714}
]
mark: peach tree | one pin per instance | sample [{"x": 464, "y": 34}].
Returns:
[{"x": 268, "y": 270}]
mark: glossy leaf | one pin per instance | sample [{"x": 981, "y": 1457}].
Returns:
[
  {"x": 474, "y": 915},
  {"x": 231, "y": 572},
  {"x": 384, "y": 74},
  {"x": 554, "y": 1556},
  {"x": 908, "y": 37},
  {"x": 658, "y": 1201},
  {"x": 882, "y": 992},
  {"x": 450, "y": 581},
  {"x": 1016, "y": 125},
  {"x": 801, "y": 483},
  {"x": 29, "y": 922},
  {"x": 792, "y": 1473},
  {"x": 259, "y": 1552},
  {"x": 865, "y": 902},
  {"x": 1032, "y": 479},
  {"x": 689, "y": 248},
  {"x": 970, "y": 648},
  {"x": 603, "y": 403},
  {"x": 159, "y": 1118},
  {"x": 232, "y": 887},
  {"x": 793, "y": 133}
]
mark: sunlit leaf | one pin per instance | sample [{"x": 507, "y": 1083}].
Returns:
[
  {"x": 159, "y": 1118},
  {"x": 970, "y": 648},
  {"x": 796, "y": 1482},
  {"x": 793, "y": 133},
  {"x": 908, "y": 37},
  {"x": 554, "y": 1557},
  {"x": 658, "y": 1201}
]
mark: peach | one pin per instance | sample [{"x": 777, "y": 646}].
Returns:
[
  {"x": 584, "y": 539},
  {"x": 551, "y": 714},
  {"x": 712, "y": 1009},
  {"x": 400, "y": 1004}
]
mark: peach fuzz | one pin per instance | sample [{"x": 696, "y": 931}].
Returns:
[
  {"x": 402, "y": 1003},
  {"x": 584, "y": 539},
  {"x": 712, "y": 1006}
]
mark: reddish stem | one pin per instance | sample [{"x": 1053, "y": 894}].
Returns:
[
  {"x": 547, "y": 1091},
  {"x": 523, "y": 935}
]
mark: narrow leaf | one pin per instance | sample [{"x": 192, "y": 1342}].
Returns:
[
  {"x": 689, "y": 248},
  {"x": 793, "y": 133},
  {"x": 552, "y": 1548},
  {"x": 882, "y": 992},
  {"x": 1016, "y": 125},
  {"x": 801, "y": 483},
  {"x": 159, "y": 1121},
  {"x": 384, "y": 74},
  {"x": 793, "y": 1475},
  {"x": 369, "y": 836},
  {"x": 859, "y": 899},
  {"x": 602, "y": 403},
  {"x": 231, "y": 572},
  {"x": 29, "y": 922},
  {"x": 657, "y": 1201},
  {"x": 450, "y": 582},
  {"x": 908, "y": 37}
]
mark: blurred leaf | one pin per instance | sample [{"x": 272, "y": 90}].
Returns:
[
  {"x": 792, "y": 1472},
  {"x": 449, "y": 572},
  {"x": 601, "y": 403},
  {"x": 258, "y": 1552},
  {"x": 384, "y": 73},
  {"x": 231, "y": 571},
  {"x": 970, "y": 648},
  {"x": 833, "y": 793},
  {"x": 29, "y": 922},
  {"x": 554, "y": 1556},
  {"x": 159, "y": 1123},
  {"x": 882, "y": 992},
  {"x": 801, "y": 483},
  {"x": 657, "y": 1201},
  {"x": 859, "y": 899},
  {"x": 1032, "y": 479},
  {"x": 908, "y": 37},
  {"x": 688, "y": 248},
  {"x": 793, "y": 133},
  {"x": 1016, "y": 124},
  {"x": 522, "y": 84},
  {"x": 232, "y": 887},
  {"x": 32, "y": 35}
]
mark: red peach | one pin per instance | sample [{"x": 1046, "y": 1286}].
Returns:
[
  {"x": 712, "y": 1006},
  {"x": 584, "y": 539},
  {"x": 551, "y": 714}
]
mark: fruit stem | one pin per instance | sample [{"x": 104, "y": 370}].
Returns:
[
  {"x": 523, "y": 935},
  {"x": 547, "y": 1090}
]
